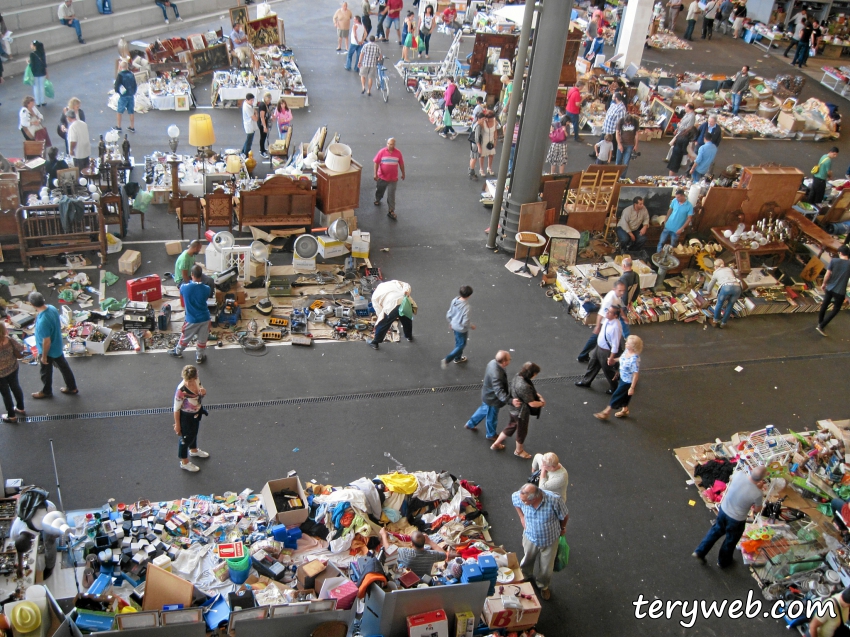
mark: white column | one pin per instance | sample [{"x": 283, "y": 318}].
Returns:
[{"x": 634, "y": 31}]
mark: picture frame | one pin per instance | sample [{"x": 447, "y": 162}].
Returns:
[
  {"x": 145, "y": 619},
  {"x": 322, "y": 605},
  {"x": 194, "y": 615},
  {"x": 259, "y": 612},
  {"x": 68, "y": 177},
  {"x": 240, "y": 15},
  {"x": 287, "y": 610},
  {"x": 181, "y": 102},
  {"x": 196, "y": 42}
]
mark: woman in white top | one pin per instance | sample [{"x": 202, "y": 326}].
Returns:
[
  {"x": 30, "y": 121},
  {"x": 488, "y": 135},
  {"x": 553, "y": 476}
]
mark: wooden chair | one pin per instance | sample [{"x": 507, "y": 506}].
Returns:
[
  {"x": 189, "y": 211},
  {"x": 218, "y": 210},
  {"x": 113, "y": 212},
  {"x": 33, "y": 149}
]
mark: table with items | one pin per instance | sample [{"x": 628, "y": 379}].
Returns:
[
  {"x": 170, "y": 93},
  {"x": 230, "y": 87}
]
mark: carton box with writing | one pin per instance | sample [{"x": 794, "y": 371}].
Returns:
[
  {"x": 312, "y": 575},
  {"x": 330, "y": 248},
  {"x": 292, "y": 517},
  {"x": 360, "y": 244},
  {"x": 497, "y": 616}
]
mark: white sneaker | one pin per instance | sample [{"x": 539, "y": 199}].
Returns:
[
  {"x": 166, "y": 21},
  {"x": 189, "y": 467},
  {"x": 444, "y": 363},
  {"x": 180, "y": 19},
  {"x": 200, "y": 453}
]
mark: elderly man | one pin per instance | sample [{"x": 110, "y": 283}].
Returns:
[
  {"x": 607, "y": 348},
  {"x": 494, "y": 395},
  {"x": 69, "y": 19},
  {"x": 743, "y": 493},
  {"x": 678, "y": 219},
  {"x": 634, "y": 222},
  {"x": 544, "y": 516},
  {"x": 729, "y": 290},
  {"x": 392, "y": 302},
  {"x": 79, "y": 142},
  {"x": 239, "y": 39},
  {"x": 389, "y": 164},
  {"x": 418, "y": 559},
  {"x": 48, "y": 340},
  {"x": 613, "y": 115},
  {"x": 342, "y": 23},
  {"x": 709, "y": 130},
  {"x": 370, "y": 57},
  {"x": 614, "y": 297}
]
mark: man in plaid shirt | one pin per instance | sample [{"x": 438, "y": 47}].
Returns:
[
  {"x": 616, "y": 112},
  {"x": 544, "y": 517},
  {"x": 370, "y": 55}
]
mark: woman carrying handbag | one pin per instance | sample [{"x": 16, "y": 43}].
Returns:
[
  {"x": 531, "y": 403},
  {"x": 38, "y": 68},
  {"x": 188, "y": 411}
]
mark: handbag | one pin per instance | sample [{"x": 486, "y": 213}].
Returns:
[
  {"x": 534, "y": 478},
  {"x": 28, "y": 75},
  {"x": 557, "y": 136},
  {"x": 562, "y": 557},
  {"x": 814, "y": 170}
]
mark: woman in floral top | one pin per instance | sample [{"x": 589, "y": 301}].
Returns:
[
  {"x": 10, "y": 351},
  {"x": 187, "y": 417},
  {"x": 629, "y": 368}
]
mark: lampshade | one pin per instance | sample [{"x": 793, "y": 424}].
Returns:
[
  {"x": 173, "y": 131},
  {"x": 201, "y": 131},
  {"x": 234, "y": 164}
]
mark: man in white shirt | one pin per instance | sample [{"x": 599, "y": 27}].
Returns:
[
  {"x": 708, "y": 18},
  {"x": 729, "y": 290},
  {"x": 613, "y": 297},
  {"x": 78, "y": 140},
  {"x": 693, "y": 11},
  {"x": 797, "y": 22},
  {"x": 69, "y": 19},
  {"x": 249, "y": 123},
  {"x": 357, "y": 36},
  {"x": 607, "y": 347}
]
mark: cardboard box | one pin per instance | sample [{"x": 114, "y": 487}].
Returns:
[
  {"x": 347, "y": 214},
  {"x": 289, "y": 518},
  {"x": 352, "y": 223},
  {"x": 433, "y": 624},
  {"x": 305, "y": 570},
  {"x": 160, "y": 195},
  {"x": 497, "y": 616},
  {"x": 256, "y": 269},
  {"x": 790, "y": 122},
  {"x": 173, "y": 248},
  {"x": 342, "y": 589},
  {"x": 464, "y": 624},
  {"x": 129, "y": 262},
  {"x": 360, "y": 243},
  {"x": 329, "y": 248},
  {"x": 327, "y": 219},
  {"x": 100, "y": 347}
]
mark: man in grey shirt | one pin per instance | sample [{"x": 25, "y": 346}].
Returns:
[
  {"x": 834, "y": 287},
  {"x": 631, "y": 231},
  {"x": 743, "y": 493}
]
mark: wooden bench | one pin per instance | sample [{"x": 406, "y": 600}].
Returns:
[
  {"x": 814, "y": 231},
  {"x": 280, "y": 201},
  {"x": 40, "y": 232}
]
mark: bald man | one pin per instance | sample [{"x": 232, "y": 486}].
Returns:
[
  {"x": 494, "y": 394},
  {"x": 418, "y": 559},
  {"x": 389, "y": 163},
  {"x": 544, "y": 517},
  {"x": 743, "y": 493}
]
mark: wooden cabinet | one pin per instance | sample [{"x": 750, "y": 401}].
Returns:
[
  {"x": 338, "y": 191},
  {"x": 10, "y": 194},
  {"x": 769, "y": 188}
]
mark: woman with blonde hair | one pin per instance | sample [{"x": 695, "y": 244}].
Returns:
[
  {"x": 74, "y": 104},
  {"x": 187, "y": 417},
  {"x": 283, "y": 116},
  {"x": 11, "y": 351},
  {"x": 553, "y": 475},
  {"x": 629, "y": 371}
]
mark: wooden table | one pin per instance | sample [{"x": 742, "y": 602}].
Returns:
[
  {"x": 814, "y": 232},
  {"x": 777, "y": 247}
]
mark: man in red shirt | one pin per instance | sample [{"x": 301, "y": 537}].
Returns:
[
  {"x": 394, "y": 8},
  {"x": 574, "y": 98},
  {"x": 388, "y": 163}
]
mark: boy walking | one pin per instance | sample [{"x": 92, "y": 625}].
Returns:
[{"x": 458, "y": 318}]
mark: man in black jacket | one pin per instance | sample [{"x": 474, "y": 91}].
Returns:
[{"x": 494, "y": 394}]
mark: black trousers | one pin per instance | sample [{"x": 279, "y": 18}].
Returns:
[
  {"x": 599, "y": 361},
  {"x": 9, "y": 388},
  {"x": 189, "y": 425},
  {"x": 385, "y": 323},
  {"x": 791, "y": 46},
  {"x": 47, "y": 374},
  {"x": 707, "y": 27},
  {"x": 263, "y": 137},
  {"x": 837, "y": 301},
  {"x": 817, "y": 190}
]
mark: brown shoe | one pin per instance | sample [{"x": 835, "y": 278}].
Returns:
[
  {"x": 65, "y": 390},
  {"x": 545, "y": 594},
  {"x": 40, "y": 394}
]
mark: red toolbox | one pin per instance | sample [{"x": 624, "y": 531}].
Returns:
[{"x": 146, "y": 288}]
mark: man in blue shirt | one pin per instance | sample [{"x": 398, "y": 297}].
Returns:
[
  {"x": 48, "y": 340},
  {"x": 705, "y": 158},
  {"x": 197, "y": 323},
  {"x": 678, "y": 219},
  {"x": 125, "y": 86},
  {"x": 544, "y": 517}
]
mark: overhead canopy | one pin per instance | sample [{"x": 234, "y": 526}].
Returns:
[{"x": 512, "y": 12}]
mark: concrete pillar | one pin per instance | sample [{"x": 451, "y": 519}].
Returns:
[
  {"x": 547, "y": 57},
  {"x": 634, "y": 30}
]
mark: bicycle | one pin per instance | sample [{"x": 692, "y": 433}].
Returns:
[{"x": 383, "y": 82}]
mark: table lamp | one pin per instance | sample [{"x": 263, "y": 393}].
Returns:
[
  {"x": 201, "y": 135},
  {"x": 233, "y": 166},
  {"x": 173, "y": 135}
]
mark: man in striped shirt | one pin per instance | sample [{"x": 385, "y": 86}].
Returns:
[{"x": 388, "y": 163}]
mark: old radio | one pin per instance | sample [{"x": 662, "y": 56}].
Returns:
[{"x": 139, "y": 315}]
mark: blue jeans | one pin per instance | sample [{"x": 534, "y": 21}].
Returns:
[
  {"x": 353, "y": 51},
  {"x": 667, "y": 236},
  {"x": 723, "y": 525},
  {"x": 588, "y": 347},
  {"x": 624, "y": 157},
  {"x": 76, "y": 26},
  {"x": 689, "y": 32},
  {"x": 460, "y": 343},
  {"x": 627, "y": 244},
  {"x": 736, "y": 102},
  {"x": 511, "y": 159},
  {"x": 492, "y": 415},
  {"x": 626, "y": 330},
  {"x": 161, "y": 5},
  {"x": 38, "y": 89},
  {"x": 802, "y": 53},
  {"x": 727, "y": 294},
  {"x": 379, "y": 31},
  {"x": 249, "y": 141},
  {"x": 574, "y": 122}
]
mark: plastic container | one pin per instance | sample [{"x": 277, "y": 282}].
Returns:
[
  {"x": 239, "y": 569},
  {"x": 26, "y": 618}
]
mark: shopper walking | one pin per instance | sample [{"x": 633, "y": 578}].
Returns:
[
  {"x": 681, "y": 152},
  {"x": 426, "y": 28},
  {"x": 522, "y": 389},
  {"x": 48, "y": 340},
  {"x": 393, "y": 18},
  {"x": 743, "y": 493},
  {"x": 342, "y": 23},
  {"x": 495, "y": 394},
  {"x": 249, "y": 122},
  {"x": 125, "y": 86},
  {"x": 834, "y": 287},
  {"x": 820, "y": 174},
  {"x": 381, "y": 17},
  {"x": 370, "y": 57},
  {"x": 616, "y": 111},
  {"x": 553, "y": 476},
  {"x": 409, "y": 43},
  {"x": 355, "y": 44},
  {"x": 38, "y": 67},
  {"x": 265, "y": 111},
  {"x": 389, "y": 164},
  {"x": 709, "y": 13},
  {"x": 739, "y": 14},
  {"x": 704, "y": 160},
  {"x": 574, "y": 100},
  {"x": 544, "y": 517},
  {"x": 11, "y": 351},
  {"x": 164, "y": 4},
  {"x": 740, "y": 83},
  {"x": 197, "y": 322},
  {"x": 79, "y": 141},
  {"x": 627, "y": 141},
  {"x": 74, "y": 104},
  {"x": 283, "y": 116},
  {"x": 693, "y": 11},
  {"x": 188, "y": 411},
  {"x": 607, "y": 347},
  {"x": 724, "y": 12},
  {"x": 679, "y": 217},
  {"x": 366, "y": 14},
  {"x": 458, "y": 318},
  {"x": 488, "y": 137},
  {"x": 614, "y": 297},
  {"x": 629, "y": 372},
  {"x": 674, "y": 8},
  {"x": 392, "y": 302},
  {"x": 709, "y": 130},
  {"x": 69, "y": 19},
  {"x": 557, "y": 155},
  {"x": 798, "y": 22},
  {"x": 632, "y": 227},
  {"x": 802, "y": 53}
]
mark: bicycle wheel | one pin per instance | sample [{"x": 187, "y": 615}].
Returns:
[{"x": 385, "y": 88}]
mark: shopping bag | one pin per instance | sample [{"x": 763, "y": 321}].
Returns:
[
  {"x": 421, "y": 45},
  {"x": 28, "y": 75},
  {"x": 48, "y": 89},
  {"x": 563, "y": 556}
]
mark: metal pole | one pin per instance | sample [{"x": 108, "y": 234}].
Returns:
[
  {"x": 56, "y": 473},
  {"x": 513, "y": 107}
]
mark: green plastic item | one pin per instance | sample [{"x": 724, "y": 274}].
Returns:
[
  {"x": 28, "y": 75},
  {"x": 142, "y": 201},
  {"x": 68, "y": 296},
  {"x": 803, "y": 566},
  {"x": 562, "y": 558},
  {"x": 49, "y": 92},
  {"x": 109, "y": 278},
  {"x": 110, "y": 304}
]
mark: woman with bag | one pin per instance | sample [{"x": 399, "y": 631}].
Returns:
[
  {"x": 426, "y": 28},
  {"x": 551, "y": 474},
  {"x": 284, "y": 118},
  {"x": 74, "y": 104},
  {"x": 38, "y": 68},
  {"x": 530, "y": 404},
  {"x": 557, "y": 155},
  {"x": 409, "y": 43},
  {"x": 187, "y": 417},
  {"x": 11, "y": 351},
  {"x": 629, "y": 372},
  {"x": 680, "y": 152},
  {"x": 488, "y": 136},
  {"x": 30, "y": 121}
]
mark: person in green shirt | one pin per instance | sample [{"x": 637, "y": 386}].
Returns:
[
  {"x": 819, "y": 176},
  {"x": 183, "y": 267}
]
